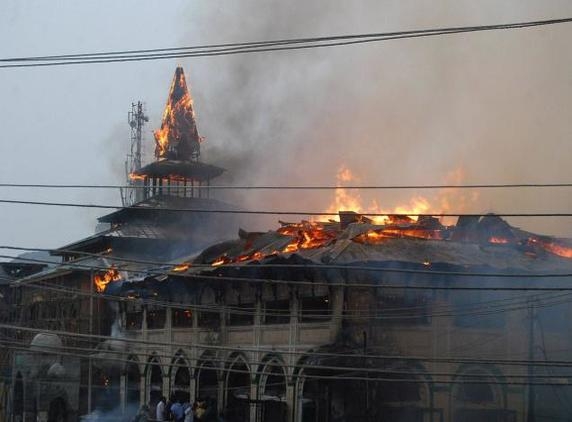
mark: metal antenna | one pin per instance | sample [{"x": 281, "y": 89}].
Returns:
[{"x": 136, "y": 119}]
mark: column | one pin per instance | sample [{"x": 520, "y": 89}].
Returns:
[{"x": 122, "y": 396}]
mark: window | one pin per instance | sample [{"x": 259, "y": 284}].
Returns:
[
  {"x": 315, "y": 308},
  {"x": 277, "y": 311},
  {"x": 241, "y": 305},
  {"x": 209, "y": 314},
  {"x": 155, "y": 317},
  {"x": 182, "y": 318},
  {"x": 276, "y": 304}
]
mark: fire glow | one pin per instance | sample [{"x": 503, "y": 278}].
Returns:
[
  {"x": 102, "y": 279},
  {"x": 178, "y": 137}
]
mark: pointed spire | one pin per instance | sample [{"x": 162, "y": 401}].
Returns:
[{"x": 178, "y": 138}]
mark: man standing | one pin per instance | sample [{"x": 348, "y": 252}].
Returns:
[{"x": 160, "y": 409}]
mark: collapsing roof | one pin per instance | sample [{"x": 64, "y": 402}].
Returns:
[{"x": 491, "y": 245}]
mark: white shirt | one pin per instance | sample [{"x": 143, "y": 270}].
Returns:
[
  {"x": 160, "y": 411},
  {"x": 189, "y": 414}
]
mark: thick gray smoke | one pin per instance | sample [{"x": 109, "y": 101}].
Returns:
[{"x": 494, "y": 105}]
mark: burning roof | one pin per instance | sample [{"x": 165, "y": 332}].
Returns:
[
  {"x": 178, "y": 138},
  {"x": 491, "y": 245}
]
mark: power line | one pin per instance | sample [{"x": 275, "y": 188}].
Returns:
[
  {"x": 294, "y": 187},
  {"x": 276, "y": 212},
  {"x": 288, "y": 351},
  {"x": 326, "y": 266},
  {"x": 255, "y": 47}
]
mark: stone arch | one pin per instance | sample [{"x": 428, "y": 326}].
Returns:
[
  {"x": 154, "y": 379},
  {"x": 207, "y": 378},
  {"x": 132, "y": 381},
  {"x": 404, "y": 394},
  {"x": 180, "y": 376},
  {"x": 238, "y": 380},
  {"x": 485, "y": 399},
  {"x": 272, "y": 381}
]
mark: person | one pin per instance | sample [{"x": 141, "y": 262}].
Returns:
[
  {"x": 160, "y": 409},
  {"x": 177, "y": 411},
  {"x": 188, "y": 412},
  {"x": 200, "y": 409}
]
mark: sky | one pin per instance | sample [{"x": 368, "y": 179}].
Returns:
[{"x": 471, "y": 108}]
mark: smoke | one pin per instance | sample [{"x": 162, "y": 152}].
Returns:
[{"x": 398, "y": 112}]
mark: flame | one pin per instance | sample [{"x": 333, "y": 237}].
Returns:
[
  {"x": 181, "y": 267},
  {"x": 552, "y": 246},
  {"x": 133, "y": 176},
  {"x": 498, "y": 240},
  {"x": 102, "y": 279},
  {"x": 377, "y": 236},
  {"x": 350, "y": 200},
  {"x": 178, "y": 137}
]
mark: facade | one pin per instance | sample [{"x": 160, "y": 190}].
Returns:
[{"x": 336, "y": 344}]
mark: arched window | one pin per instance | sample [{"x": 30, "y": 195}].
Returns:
[
  {"x": 238, "y": 390},
  {"x": 207, "y": 382},
  {"x": 154, "y": 381},
  {"x": 181, "y": 380},
  {"x": 273, "y": 391}
]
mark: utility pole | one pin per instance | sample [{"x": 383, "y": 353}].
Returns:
[
  {"x": 531, "y": 393},
  {"x": 89, "y": 371},
  {"x": 136, "y": 119}
]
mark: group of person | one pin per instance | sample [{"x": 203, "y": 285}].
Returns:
[{"x": 176, "y": 410}]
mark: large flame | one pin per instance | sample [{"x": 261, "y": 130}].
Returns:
[
  {"x": 350, "y": 200},
  {"x": 178, "y": 137},
  {"x": 102, "y": 279}
]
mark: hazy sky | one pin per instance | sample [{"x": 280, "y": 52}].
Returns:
[{"x": 491, "y": 107}]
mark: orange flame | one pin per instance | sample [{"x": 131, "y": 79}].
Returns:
[
  {"x": 178, "y": 137},
  {"x": 103, "y": 279},
  {"x": 181, "y": 267}
]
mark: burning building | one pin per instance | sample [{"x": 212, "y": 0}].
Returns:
[
  {"x": 333, "y": 321},
  {"x": 401, "y": 319}
]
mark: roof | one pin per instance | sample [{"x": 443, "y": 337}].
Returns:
[
  {"x": 391, "y": 245},
  {"x": 159, "y": 205},
  {"x": 192, "y": 170}
]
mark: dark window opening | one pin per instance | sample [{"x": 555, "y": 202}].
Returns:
[
  {"x": 209, "y": 319},
  {"x": 182, "y": 318},
  {"x": 315, "y": 309},
  {"x": 133, "y": 320},
  {"x": 242, "y": 314},
  {"x": 277, "y": 312},
  {"x": 155, "y": 318}
]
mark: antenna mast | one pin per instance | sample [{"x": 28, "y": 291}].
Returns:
[{"x": 136, "y": 119}]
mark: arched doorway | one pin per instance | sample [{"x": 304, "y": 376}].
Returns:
[
  {"x": 237, "y": 393},
  {"x": 57, "y": 412},
  {"x": 207, "y": 383},
  {"x": 154, "y": 381},
  {"x": 181, "y": 379},
  {"x": 272, "y": 391},
  {"x": 18, "y": 401},
  {"x": 132, "y": 383}
]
